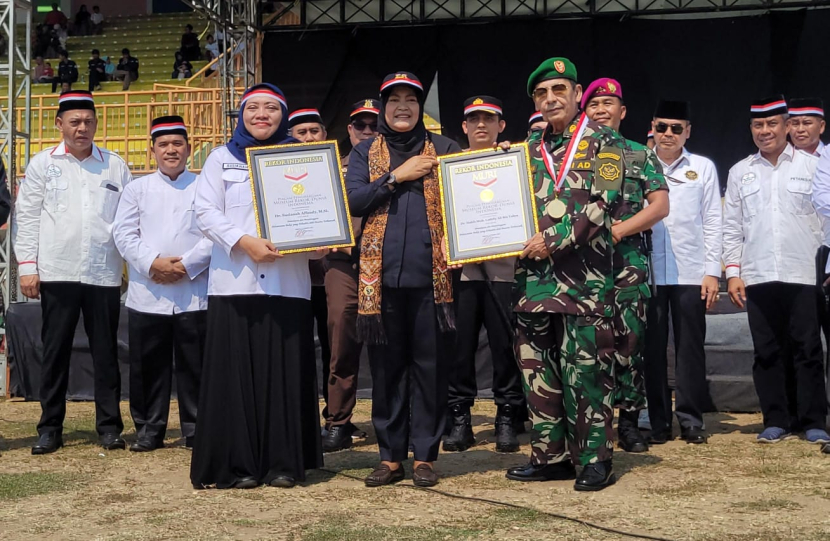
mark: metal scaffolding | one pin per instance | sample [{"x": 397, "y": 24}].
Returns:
[
  {"x": 238, "y": 21},
  {"x": 15, "y": 69},
  {"x": 295, "y": 14}
]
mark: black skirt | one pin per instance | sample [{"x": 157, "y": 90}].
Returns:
[{"x": 258, "y": 411}]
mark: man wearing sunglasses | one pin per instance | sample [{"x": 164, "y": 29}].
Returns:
[
  {"x": 603, "y": 103},
  {"x": 771, "y": 233},
  {"x": 341, "y": 291},
  {"x": 686, "y": 258},
  {"x": 806, "y": 124}
]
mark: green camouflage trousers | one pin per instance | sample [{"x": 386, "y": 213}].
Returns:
[
  {"x": 629, "y": 331},
  {"x": 567, "y": 365}
]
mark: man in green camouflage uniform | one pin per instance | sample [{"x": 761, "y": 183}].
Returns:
[
  {"x": 564, "y": 286},
  {"x": 603, "y": 103}
]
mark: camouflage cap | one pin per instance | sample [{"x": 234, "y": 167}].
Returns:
[{"x": 552, "y": 68}]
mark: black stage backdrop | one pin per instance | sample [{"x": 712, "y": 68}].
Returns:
[{"x": 719, "y": 65}]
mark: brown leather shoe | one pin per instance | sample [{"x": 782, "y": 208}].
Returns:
[
  {"x": 383, "y": 475},
  {"x": 424, "y": 476}
]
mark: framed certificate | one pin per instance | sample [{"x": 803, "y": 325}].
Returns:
[
  {"x": 488, "y": 203},
  {"x": 300, "y": 201}
]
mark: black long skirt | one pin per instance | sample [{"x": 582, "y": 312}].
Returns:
[{"x": 258, "y": 413}]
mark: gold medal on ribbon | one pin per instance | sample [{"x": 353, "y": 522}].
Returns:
[{"x": 556, "y": 209}]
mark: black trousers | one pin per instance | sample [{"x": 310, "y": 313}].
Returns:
[
  {"x": 320, "y": 311},
  {"x": 61, "y": 304},
  {"x": 409, "y": 376},
  {"x": 784, "y": 318},
  {"x": 476, "y": 306},
  {"x": 687, "y": 311},
  {"x": 95, "y": 79},
  {"x": 155, "y": 341}
]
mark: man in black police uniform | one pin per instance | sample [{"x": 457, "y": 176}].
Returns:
[
  {"x": 484, "y": 297},
  {"x": 306, "y": 125},
  {"x": 97, "y": 71},
  {"x": 341, "y": 295}
]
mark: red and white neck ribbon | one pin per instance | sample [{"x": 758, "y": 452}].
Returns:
[{"x": 567, "y": 161}]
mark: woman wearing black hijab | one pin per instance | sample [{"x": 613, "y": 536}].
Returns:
[
  {"x": 405, "y": 289},
  {"x": 257, "y": 416}
]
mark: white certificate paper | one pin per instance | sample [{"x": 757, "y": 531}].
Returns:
[{"x": 488, "y": 211}]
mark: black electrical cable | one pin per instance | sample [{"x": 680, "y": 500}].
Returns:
[{"x": 514, "y": 506}]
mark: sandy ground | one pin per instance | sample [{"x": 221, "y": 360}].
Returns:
[{"x": 730, "y": 489}]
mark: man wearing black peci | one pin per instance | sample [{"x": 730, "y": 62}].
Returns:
[{"x": 484, "y": 297}]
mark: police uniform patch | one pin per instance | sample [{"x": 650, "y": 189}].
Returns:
[
  {"x": 748, "y": 178},
  {"x": 582, "y": 145},
  {"x": 691, "y": 175}
]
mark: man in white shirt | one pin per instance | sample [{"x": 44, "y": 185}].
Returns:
[
  {"x": 155, "y": 230},
  {"x": 806, "y": 124},
  {"x": 770, "y": 236},
  {"x": 686, "y": 259},
  {"x": 63, "y": 242}
]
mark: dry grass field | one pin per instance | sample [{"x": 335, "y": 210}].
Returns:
[{"x": 729, "y": 490}]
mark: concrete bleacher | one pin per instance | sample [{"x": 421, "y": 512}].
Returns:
[{"x": 153, "y": 39}]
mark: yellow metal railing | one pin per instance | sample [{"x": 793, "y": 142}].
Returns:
[{"x": 124, "y": 119}]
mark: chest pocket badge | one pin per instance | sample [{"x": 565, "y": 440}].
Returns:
[{"x": 609, "y": 169}]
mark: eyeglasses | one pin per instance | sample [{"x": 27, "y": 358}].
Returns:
[
  {"x": 559, "y": 90},
  {"x": 360, "y": 126},
  {"x": 662, "y": 127}
]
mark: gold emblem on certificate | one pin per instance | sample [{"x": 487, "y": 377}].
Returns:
[
  {"x": 299, "y": 196},
  {"x": 488, "y": 203}
]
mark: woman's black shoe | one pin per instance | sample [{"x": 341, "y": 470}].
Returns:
[
  {"x": 384, "y": 475},
  {"x": 283, "y": 481},
  {"x": 596, "y": 476},
  {"x": 245, "y": 482}
]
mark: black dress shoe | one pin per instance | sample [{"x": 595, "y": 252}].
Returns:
[
  {"x": 424, "y": 476},
  {"x": 383, "y": 475},
  {"x": 112, "y": 441},
  {"x": 596, "y": 476},
  {"x": 561, "y": 471},
  {"x": 145, "y": 445},
  {"x": 629, "y": 437},
  {"x": 659, "y": 438},
  {"x": 338, "y": 438},
  {"x": 694, "y": 435},
  {"x": 283, "y": 481},
  {"x": 47, "y": 443}
]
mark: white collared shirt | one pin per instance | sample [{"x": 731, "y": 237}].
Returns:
[
  {"x": 62, "y": 228},
  {"x": 224, "y": 213},
  {"x": 687, "y": 243},
  {"x": 819, "y": 149},
  {"x": 821, "y": 195},
  {"x": 157, "y": 218},
  {"x": 771, "y": 231}
]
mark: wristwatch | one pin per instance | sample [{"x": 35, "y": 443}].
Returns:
[{"x": 392, "y": 179}]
